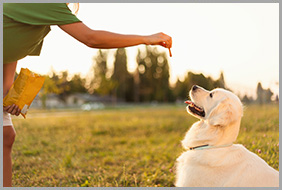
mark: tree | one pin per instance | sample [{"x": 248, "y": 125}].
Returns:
[
  {"x": 77, "y": 84},
  {"x": 121, "y": 76},
  {"x": 268, "y": 95},
  {"x": 263, "y": 96},
  {"x": 162, "y": 88},
  {"x": 182, "y": 88},
  {"x": 198, "y": 79},
  {"x": 247, "y": 100},
  {"x": 57, "y": 84},
  {"x": 259, "y": 93},
  {"x": 99, "y": 69},
  {"x": 277, "y": 99},
  {"x": 100, "y": 84},
  {"x": 153, "y": 76},
  {"x": 220, "y": 83},
  {"x": 49, "y": 86},
  {"x": 64, "y": 86}
]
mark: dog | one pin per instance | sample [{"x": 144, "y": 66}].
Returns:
[{"x": 211, "y": 159}]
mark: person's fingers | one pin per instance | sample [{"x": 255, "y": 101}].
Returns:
[
  {"x": 18, "y": 111},
  {"x": 6, "y": 108},
  {"x": 14, "y": 111},
  {"x": 11, "y": 108},
  {"x": 167, "y": 41},
  {"x": 160, "y": 39},
  {"x": 163, "y": 44}
]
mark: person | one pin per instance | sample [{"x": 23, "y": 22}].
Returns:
[{"x": 24, "y": 27}]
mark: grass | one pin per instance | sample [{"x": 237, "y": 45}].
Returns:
[{"x": 134, "y": 147}]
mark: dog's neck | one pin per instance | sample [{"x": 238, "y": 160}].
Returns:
[
  {"x": 203, "y": 147},
  {"x": 203, "y": 134}
]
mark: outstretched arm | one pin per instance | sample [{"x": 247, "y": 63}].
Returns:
[{"x": 106, "y": 40}]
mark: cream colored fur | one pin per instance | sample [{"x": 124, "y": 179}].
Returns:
[{"x": 232, "y": 166}]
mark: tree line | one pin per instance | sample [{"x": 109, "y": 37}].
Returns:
[{"x": 149, "y": 82}]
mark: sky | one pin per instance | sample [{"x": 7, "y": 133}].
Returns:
[{"x": 242, "y": 40}]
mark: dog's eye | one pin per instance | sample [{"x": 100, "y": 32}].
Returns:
[{"x": 211, "y": 95}]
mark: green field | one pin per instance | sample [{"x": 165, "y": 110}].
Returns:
[{"x": 134, "y": 146}]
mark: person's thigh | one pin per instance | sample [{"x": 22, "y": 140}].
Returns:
[{"x": 9, "y": 135}]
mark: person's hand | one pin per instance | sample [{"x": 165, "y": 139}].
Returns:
[
  {"x": 159, "y": 39},
  {"x": 12, "y": 109}
]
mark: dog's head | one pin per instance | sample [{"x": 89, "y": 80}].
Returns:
[{"x": 218, "y": 107}]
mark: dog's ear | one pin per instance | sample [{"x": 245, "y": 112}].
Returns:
[{"x": 222, "y": 114}]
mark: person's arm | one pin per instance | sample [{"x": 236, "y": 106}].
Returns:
[
  {"x": 106, "y": 40},
  {"x": 8, "y": 79}
]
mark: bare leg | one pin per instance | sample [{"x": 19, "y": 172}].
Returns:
[
  {"x": 8, "y": 131},
  {"x": 9, "y": 135}
]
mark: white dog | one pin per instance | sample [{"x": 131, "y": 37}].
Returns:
[{"x": 212, "y": 160}]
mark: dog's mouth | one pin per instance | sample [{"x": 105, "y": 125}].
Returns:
[{"x": 195, "y": 109}]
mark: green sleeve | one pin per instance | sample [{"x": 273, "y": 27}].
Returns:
[{"x": 40, "y": 13}]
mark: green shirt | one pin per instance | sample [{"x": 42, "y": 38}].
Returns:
[{"x": 26, "y": 24}]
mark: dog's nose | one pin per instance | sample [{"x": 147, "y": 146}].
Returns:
[{"x": 194, "y": 87}]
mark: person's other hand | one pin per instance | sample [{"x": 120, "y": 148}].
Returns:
[
  {"x": 12, "y": 109},
  {"x": 159, "y": 39}
]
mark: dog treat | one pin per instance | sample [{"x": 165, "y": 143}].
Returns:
[{"x": 169, "y": 52}]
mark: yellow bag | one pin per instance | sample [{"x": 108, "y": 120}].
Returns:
[{"x": 24, "y": 90}]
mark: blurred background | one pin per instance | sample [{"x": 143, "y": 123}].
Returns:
[
  {"x": 116, "y": 117},
  {"x": 233, "y": 46}
]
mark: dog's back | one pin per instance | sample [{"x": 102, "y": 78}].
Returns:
[{"x": 233, "y": 166}]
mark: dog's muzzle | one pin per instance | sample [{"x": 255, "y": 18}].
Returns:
[{"x": 195, "y": 109}]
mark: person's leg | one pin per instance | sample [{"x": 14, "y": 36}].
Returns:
[
  {"x": 8, "y": 129},
  {"x": 9, "y": 135}
]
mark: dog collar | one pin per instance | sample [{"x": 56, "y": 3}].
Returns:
[{"x": 202, "y": 147}]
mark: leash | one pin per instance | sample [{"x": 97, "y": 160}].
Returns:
[{"x": 202, "y": 147}]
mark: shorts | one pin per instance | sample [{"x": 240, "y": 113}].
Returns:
[{"x": 7, "y": 121}]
